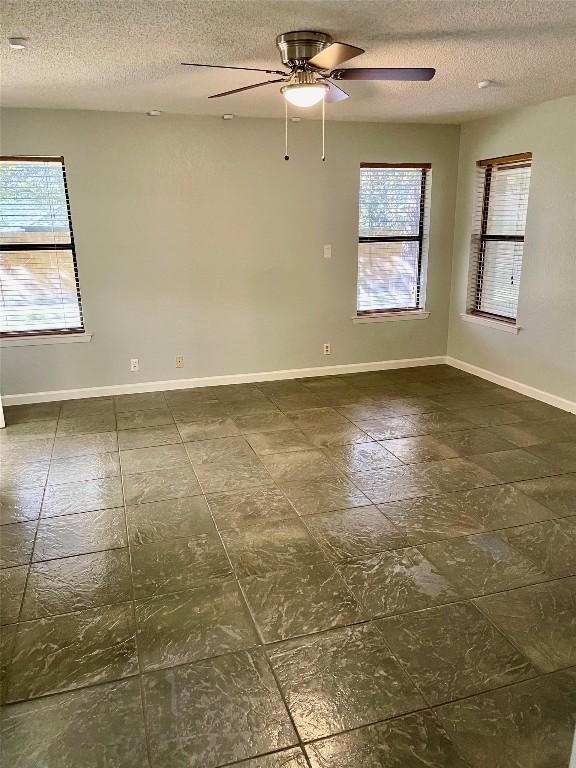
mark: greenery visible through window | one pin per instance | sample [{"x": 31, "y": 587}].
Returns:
[
  {"x": 39, "y": 289},
  {"x": 393, "y": 229}
]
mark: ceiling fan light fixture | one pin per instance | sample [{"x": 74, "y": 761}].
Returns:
[{"x": 304, "y": 94}]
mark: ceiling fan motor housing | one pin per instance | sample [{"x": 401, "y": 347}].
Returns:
[{"x": 297, "y": 47}]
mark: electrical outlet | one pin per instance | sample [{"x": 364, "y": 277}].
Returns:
[
  {"x": 134, "y": 364},
  {"x": 179, "y": 361},
  {"x": 327, "y": 251},
  {"x": 327, "y": 349}
]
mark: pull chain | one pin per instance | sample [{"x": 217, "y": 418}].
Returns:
[
  {"x": 286, "y": 155},
  {"x": 323, "y": 130}
]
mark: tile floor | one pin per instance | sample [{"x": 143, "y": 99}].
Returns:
[{"x": 373, "y": 570}]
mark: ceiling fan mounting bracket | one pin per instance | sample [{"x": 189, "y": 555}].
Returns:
[{"x": 297, "y": 47}]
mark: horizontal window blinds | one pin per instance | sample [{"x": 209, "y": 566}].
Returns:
[
  {"x": 393, "y": 228},
  {"x": 502, "y": 188},
  {"x": 39, "y": 288}
]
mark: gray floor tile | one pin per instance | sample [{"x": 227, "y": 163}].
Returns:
[
  {"x": 14, "y": 434},
  {"x": 336, "y": 434},
  {"x": 85, "y": 496},
  {"x": 144, "y": 419},
  {"x": 351, "y": 533},
  {"x": 433, "y": 518},
  {"x": 20, "y": 504},
  {"x": 287, "y": 758},
  {"x": 148, "y": 459},
  {"x": 279, "y": 441},
  {"x": 453, "y": 651},
  {"x": 148, "y": 437},
  {"x": 475, "y": 441},
  {"x": 413, "y": 450},
  {"x": 254, "y": 506},
  {"x": 361, "y": 456},
  {"x": 558, "y": 494},
  {"x": 298, "y": 465},
  {"x": 18, "y": 477},
  {"x": 229, "y": 451},
  {"x": 481, "y": 564},
  {"x": 16, "y": 543},
  {"x": 299, "y": 601},
  {"x": 536, "y": 411},
  {"x": 326, "y": 494},
  {"x": 527, "y": 725},
  {"x": 219, "y": 477},
  {"x": 177, "y": 564},
  {"x": 263, "y": 422},
  {"x": 527, "y": 434},
  {"x": 192, "y": 625},
  {"x": 207, "y": 428},
  {"x": 551, "y": 545},
  {"x": 562, "y": 455},
  {"x": 17, "y": 414},
  {"x": 313, "y": 418},
  {"x": 389, "y": 428},
  {"x": 411, "y": 741},
  {"x": 512, "y": 466},
  {"x": 197, "y": 411},
  {"x": 160, "y": 485},
  {"x": 83, "y": 445},
  {"x": 92, "y": 467},
  {"x": 76, "y": 583},
  {"x": 144, "y": 401},
  {"x": 80, "y": 534},
  {"x": 12, "y": 583},
  {"x": 539, "y": 619},
  {"x": 259, "y": 549},
  {"x": 213, "y": 712},
  {"x": 87, "y": 406},
  {"x": 81, "y": 425},
  {"x": 488, "y": 415},
  {"x": 426, "y": 479},
  {"x": 163, "y": 520},
  {"x": 92, "y": 728},
  {"x": 73, "y": 651},
  {"x": 340, "y": 680},
  {"x": 29, "y": 451},
  {"x": 396, "y": 582}
]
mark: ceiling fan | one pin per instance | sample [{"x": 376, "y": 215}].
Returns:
[{"x": 312, "y": 61}]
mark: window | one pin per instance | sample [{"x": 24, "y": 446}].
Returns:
[
  {"x": 393, "y": 233},
  {"x": 498, "y": 236},
  {"x": 39, "y": 289}
]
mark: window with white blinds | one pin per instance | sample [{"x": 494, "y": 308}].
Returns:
[
  {"x": 498, "y": 236},
  {"x": 393, "y": 234},
  {"x": 39, "y": 288}
]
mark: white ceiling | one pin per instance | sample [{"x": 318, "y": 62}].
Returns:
[{"x": 124, "y": 55}]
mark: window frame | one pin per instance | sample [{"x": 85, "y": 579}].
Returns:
[
  {"x": 519, "y": 160},
  {"x": 78, "y": 330},
  {"x": 420, "y": 238}
]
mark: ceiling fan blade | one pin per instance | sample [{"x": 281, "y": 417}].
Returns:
[
  {"x": 334, "y": 54},
  {"x": 245, "y": 69},
  {"x": 390, "y": 73},
  {"x": 334, "y": 93},
  {"x": 245, "y": 88}
]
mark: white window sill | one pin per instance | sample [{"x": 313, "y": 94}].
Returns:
[
  {"x": 386, "y": 317},
  {"x": 32, "y": 341},
  {"x": 500, "y": 325}
]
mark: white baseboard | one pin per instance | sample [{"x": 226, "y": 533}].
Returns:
[
  {"x": 293, "y": 373},
  {"x": 517, "y": 386},
  {"x": 213, "y": 381}
]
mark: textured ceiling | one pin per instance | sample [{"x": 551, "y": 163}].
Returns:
[{"x": 124, "y": 54}]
